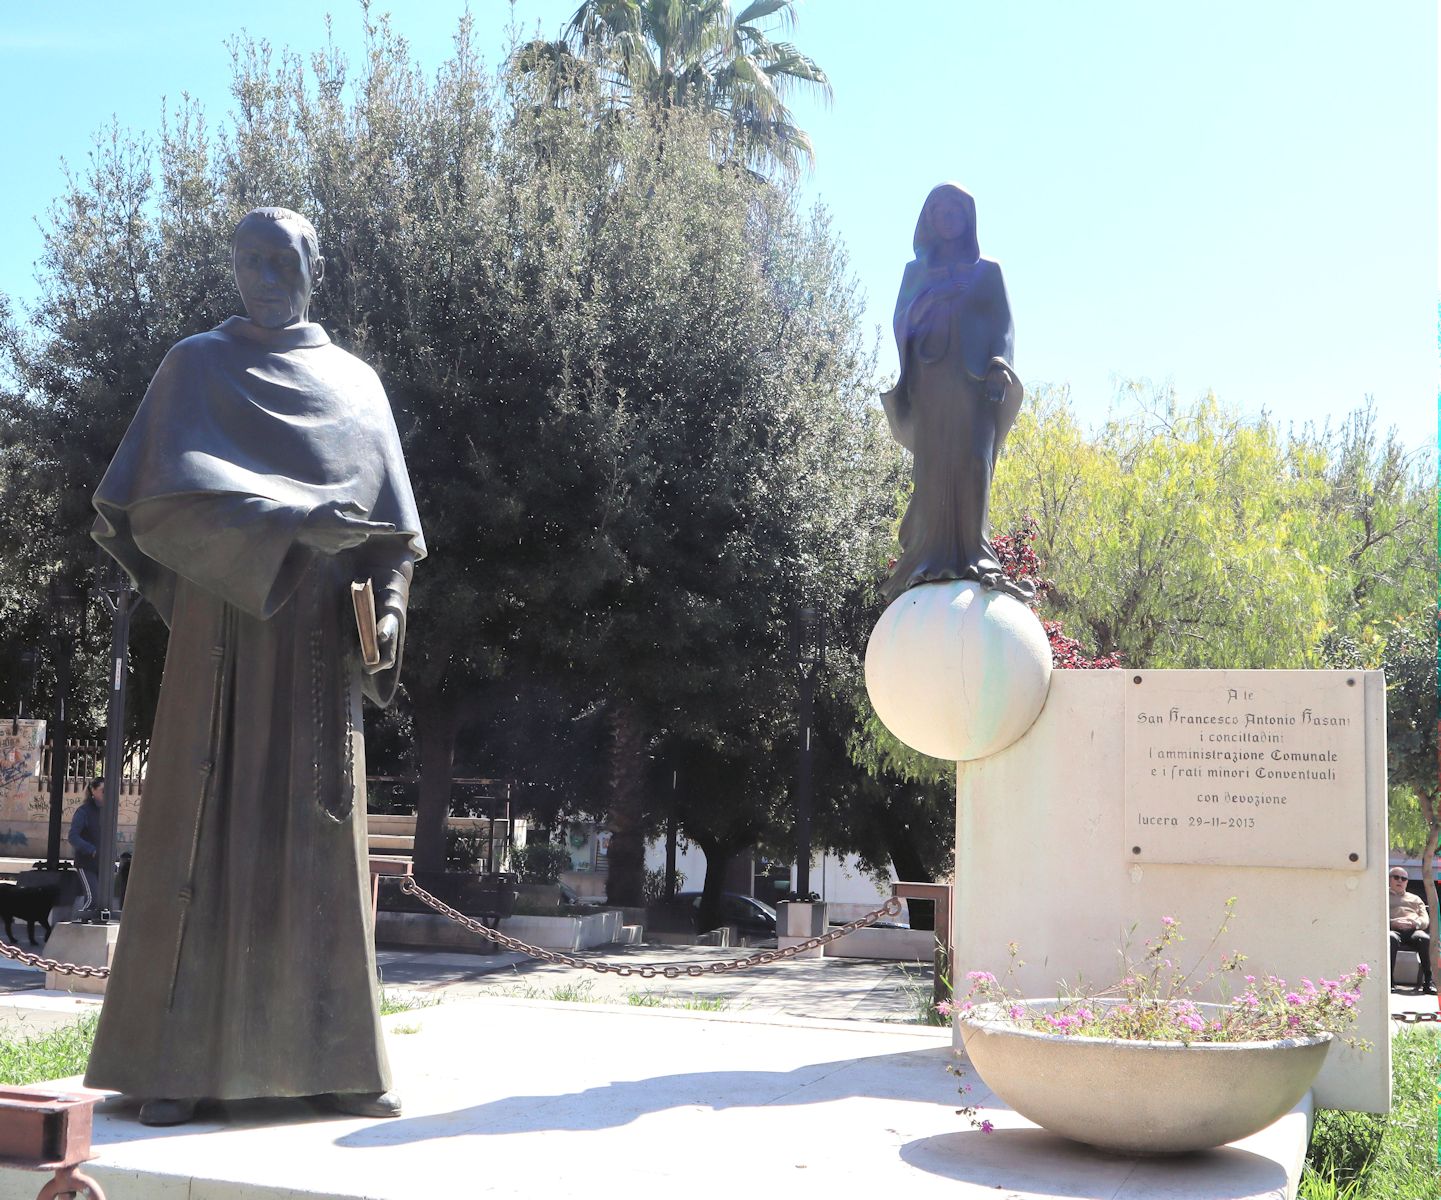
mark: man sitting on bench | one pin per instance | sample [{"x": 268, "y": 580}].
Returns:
[{"x": 1409, "y": 923}]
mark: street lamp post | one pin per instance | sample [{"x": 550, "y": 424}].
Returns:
[
  {"x": 67, "y": 605},
  {"x": 120, "y": 598},
  {"x": 810, "y": 656},
  {"x": 29, "y": 664}
]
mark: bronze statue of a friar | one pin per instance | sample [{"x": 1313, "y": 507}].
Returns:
[
  {"x": 957, "y": 398},
  {"x": 260, "y": 479}
]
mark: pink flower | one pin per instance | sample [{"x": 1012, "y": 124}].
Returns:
[
  {"x": 1250, "y": 979},
  {"x": 1293, "y": 1020},
  {"x": 1363, "y": 969},
  {"x": 943, "y": 1008},
  {"x": 1292, "y": 998},
  {"x": 1193, "y": 1023},
  {"x": 1168, "y": 921},
  {"x": 987, "y": 1127},
  {"x": 1017, "y": 1012},
  {"x": 980, "y": 977}
]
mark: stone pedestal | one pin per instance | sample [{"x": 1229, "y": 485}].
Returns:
[
  {"x": 1046, "y": 853},
  {"x": 84, "y": 945},
  {"x": 797, "y": 920}
]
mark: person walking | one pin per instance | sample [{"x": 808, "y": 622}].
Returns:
[{"x": 85, "y": 841}]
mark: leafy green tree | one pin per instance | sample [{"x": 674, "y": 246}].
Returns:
[
  {"x": 661, "y": 54},
  {"x": 1178, "y": 537},
  {"x": 629, "y": 384},
  {"x": 1406, "y": 650}
]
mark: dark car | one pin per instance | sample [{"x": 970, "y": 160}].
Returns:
[{"x": 752, "y": 918}]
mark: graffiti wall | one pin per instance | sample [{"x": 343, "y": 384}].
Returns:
[{"x": 25, "y": 791}]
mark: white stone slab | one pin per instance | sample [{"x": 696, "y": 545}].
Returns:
[
  {"x": 1040, "y": 832},
  {"x": 1246, "y": 768},
  {"x": 525, "y": 1100}
]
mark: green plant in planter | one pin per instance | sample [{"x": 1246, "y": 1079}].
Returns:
[
  {"x": 653, "y": 887},
  {"x": 462, "y": 850},
  {"x": 540, "y": 863},
  {"x": 1155, "y": 1001}
]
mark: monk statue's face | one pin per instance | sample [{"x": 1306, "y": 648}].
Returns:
[{"x": 274, "y": 272}]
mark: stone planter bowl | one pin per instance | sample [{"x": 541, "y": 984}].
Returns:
[{"x": 1139, "y": 1097}]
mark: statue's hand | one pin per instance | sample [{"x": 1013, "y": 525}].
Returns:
[
  {"x": 387, "y": 631},
  {"x": 333, "y": 527},
  {"x": 996, "y": 383}
]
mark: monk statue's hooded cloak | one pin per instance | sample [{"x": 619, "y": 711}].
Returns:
[{"x": 245, "y": 965}]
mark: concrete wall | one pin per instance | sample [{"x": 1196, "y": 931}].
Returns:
[
  {"x": 553, "y": 933},
  {"x": 1041, "y": 860},
  {"x": 900, "y": 945}
]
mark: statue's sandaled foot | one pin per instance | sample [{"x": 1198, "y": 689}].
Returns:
[
  {"x": 166, "y": 1112},
  {"x": 362, "y": 1104}
]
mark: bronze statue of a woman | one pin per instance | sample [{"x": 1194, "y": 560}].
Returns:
[{"x": 956, "y": 399}]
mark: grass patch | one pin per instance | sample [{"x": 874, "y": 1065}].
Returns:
[
  {"x": 584, "y": 993},
  {"x": 405, "y": 1029},
  {"x": 55, "y": 1054},
  {"x": 1361, "y": 1156},
  {"x": 399, "y": 1002},
  {"x": 692, "y": 1003}
]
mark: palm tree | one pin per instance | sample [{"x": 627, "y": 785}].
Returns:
[{"x": 696, "y": 52}]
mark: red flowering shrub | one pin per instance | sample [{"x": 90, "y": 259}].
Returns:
[{"x": 1020, "y": 561}]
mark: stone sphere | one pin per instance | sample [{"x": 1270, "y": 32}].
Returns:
[{"x": 957, "y": 671}]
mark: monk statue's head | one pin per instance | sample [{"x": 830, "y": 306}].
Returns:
[{"x": 277, "y": 265}]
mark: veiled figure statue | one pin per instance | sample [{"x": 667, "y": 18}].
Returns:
[
  {"x": 956, "y": 399},
  {"x": 260, "y": 479}
]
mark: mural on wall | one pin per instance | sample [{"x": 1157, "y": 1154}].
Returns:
[
  {"x": 21, "y": 745},
  {"x": 25, "y": 802}
]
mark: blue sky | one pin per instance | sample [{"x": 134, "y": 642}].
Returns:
[{"x": 1233, "y": 196}]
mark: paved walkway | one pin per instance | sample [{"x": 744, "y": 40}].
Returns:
[
  {"x": 833, "y": 989},
  {"x": 530, "y": 1100},
  {"x": 825, "y": 988}
]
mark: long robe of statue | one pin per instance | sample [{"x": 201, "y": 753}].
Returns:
[
  {"x": 245, "y": 965},
  {"x": 957, "y": 397}
]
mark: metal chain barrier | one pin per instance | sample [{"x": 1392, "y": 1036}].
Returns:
[
  {"x": 890, "y": 908},
  {"x": 50, "y": 964}
]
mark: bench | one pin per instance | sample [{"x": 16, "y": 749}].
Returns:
[{"x": 488, "y": 899}]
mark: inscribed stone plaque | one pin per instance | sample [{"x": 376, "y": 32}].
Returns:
[{"x": 1246, "y": 768}]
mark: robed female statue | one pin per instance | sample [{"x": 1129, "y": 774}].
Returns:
[{"x": 956, "y": 399}]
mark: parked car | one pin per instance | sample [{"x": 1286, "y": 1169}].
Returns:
[{"x": 752, "y": 918}]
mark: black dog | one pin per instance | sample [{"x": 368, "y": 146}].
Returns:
[{"x": 30, "y": 904}]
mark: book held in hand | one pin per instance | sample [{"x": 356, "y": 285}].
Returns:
[{"x": 362, "y": 595}]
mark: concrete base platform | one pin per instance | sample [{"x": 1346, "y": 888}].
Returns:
[
  {"x": 85, "y": 945},
  {"x": 527, "y": 1099}
]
